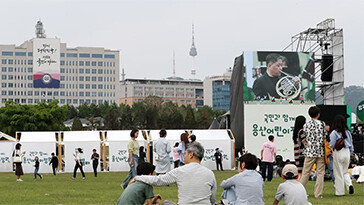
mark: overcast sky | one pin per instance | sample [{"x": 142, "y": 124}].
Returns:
[{"x": 147, "y": 32}]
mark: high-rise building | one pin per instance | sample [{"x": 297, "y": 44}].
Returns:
[
  {"x": 217, "y": 91},
  {"x": 87, "y": 75},
  {"x": 176, "y": 90}
]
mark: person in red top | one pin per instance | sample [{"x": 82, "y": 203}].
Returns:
[{"x": 268, "y": 157}]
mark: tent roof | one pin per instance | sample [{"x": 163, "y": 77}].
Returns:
[
  {"x": 81, "y": 136},
  {"x": 215, "y": 124},
  {"x": 211, "y": 134},
  {"x": 38, "y": 137},
  {"x": 171, "y": 134},
  {"x": 121, "y": 135}
]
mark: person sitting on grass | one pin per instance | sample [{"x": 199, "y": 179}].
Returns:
[
  {"x": 139, "y": 192},
  {"x": 196, "y": 183},
  {"x": 292, "y": 191},
  {"x": 248, "y": 184}
]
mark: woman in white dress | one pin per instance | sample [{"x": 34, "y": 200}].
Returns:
[{"x": 162, "y": 148}]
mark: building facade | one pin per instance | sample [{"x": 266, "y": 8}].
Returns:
[
  {"x": 87, "y": 75},
  {"x": 182, "y": 92},
  {"x": 217, "y": 91}
]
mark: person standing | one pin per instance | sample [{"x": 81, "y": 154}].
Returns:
[
  {"x": 182, "y": 148},
  {"x": 78, "y": 165},
  {"x": 218, "y": 159},
  {"x": 133, "y": 149},
  {"x": 341, "y": 155},
  {"x": 18, "y": 159},
  {"x": 95, "y": 161},
  {"x": 314, "y": 131},
  {"x": 36, "y": 170},
  {"x": 298, "y": 144},
  {"x": 268, "y": 156},
  {"x": 54, "y": 162},
  {"x": 175, "y": 155},
  {"x": 162, "y": 148}
]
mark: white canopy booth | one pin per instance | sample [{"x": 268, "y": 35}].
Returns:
[
  {"x": 87, "y": 141},
  {"x": 7, "y": 147},
  {"x": 40, "y": 144},
  {"x": 212, "y": 139},
  {"x": 117, "y": 141},
  {"x": 173, "y": 136}
]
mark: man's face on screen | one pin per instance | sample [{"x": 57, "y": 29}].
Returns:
[{"x": 274, "y": 69}]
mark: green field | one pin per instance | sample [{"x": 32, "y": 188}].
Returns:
[{"x": 106, "y": 189}]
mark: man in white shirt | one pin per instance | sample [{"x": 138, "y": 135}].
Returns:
[{"x": 196, "y": 183}]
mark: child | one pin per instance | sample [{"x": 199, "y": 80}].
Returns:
[
  {"x": 139, "y": 192},
  {"x": 292, "y": 191},
  {"x": 175, "y": 155},
  {"x": 37, "y": 168}
]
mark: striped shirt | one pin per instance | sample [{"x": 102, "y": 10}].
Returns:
[{"x": 196, "y": 183}]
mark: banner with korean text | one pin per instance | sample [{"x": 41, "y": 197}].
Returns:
[{"x": 260, "y": 121}]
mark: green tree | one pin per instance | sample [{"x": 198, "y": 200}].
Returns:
[
  {"x": 170, "y": 116},
  {"x": 153, "y": 107},
  {"x": 71, "y": 112},
  {"x": 139, "y": 115},
  {"x": 204, "y": 117},
  {"x": 111, "y": 119},
  {"x": 189, "y": 121},
  {"x": 77, "y": 124},
  {"x": 84, "y": 110},
  {"x": 126, "y": 117}
]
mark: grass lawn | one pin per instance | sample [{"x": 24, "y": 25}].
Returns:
[{"x": 106, "y": 189}]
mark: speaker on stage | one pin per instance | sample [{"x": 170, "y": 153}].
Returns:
[{"x": 327, "y": 67}]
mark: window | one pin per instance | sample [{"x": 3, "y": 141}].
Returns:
[
  {"x": 30, "y": 101},
  {"x": 87, "y": 63},
  {"x": 81, "y": 63},
  {"x": 36, "y": 93},
  {"x": 11, "y": 92},
  {"x": 30, "y": 85},
  {"x": 10, "y": 61},
  {"x": 97, "y": 55},
  {"x": 81, "y": 70},
  {"x": 81, "y": 94},
  {"x": 3, "y": 92},
  {"x": 3, "y": 77},
  {"x": 3, "y": 85},
  {"x": 71, "y": 55},
  {"x": 99, "y": 63},
  {"x": 109, "y": 56},
  {"x": 7, "y": 53},
  {"x": 62, "y": 70},
  {"x": 99, "y": 71},
  {"x": 62, "y": 62},
  {"x": 3, "y": 61},
  {"x": 20, "y": 54},
  {"x": 93, "y": 63},
  {"x": 55, "y": 93},
  {"x": 84, "y": 55},
  {"x": 82, "y": 101},
  {"x": 87, "y": 93},
  {"x": 69, "y": 101},
  {"x": 88, "y": 101},
  {"x": 30, "y": 77},
  {"x": 99, "y": 86},
  {"x": 62, "y": 78},
  {"x": 75, "y": 101},
  {"x": 87, "y": 70},
  {"x": 62, "y": 54},
  {"x": 87, "y": 78},
  {"x": 93, "y": 78},
  {"x": 93, "y": 86},
  {"x": 93, "y": 94},
  {"x": 81, "y": 78},
  {"x": 61, "y": 85},
  {"x": 3, "y": 69},
  {"x": 93, "y": 71},
  {"x": 61, "y": 93},
  {"x": 87, "y": 86},
  {"x": 100, "y": 101},
  {"x": 30, "y": 92},
  {"x": 81, "y": 86},
  {"x": 99, "y": 79}
]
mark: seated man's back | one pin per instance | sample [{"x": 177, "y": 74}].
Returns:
[{"x": 136, "y": 193}]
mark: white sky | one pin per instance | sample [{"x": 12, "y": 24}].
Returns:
[{"x": 147, "y": 32}]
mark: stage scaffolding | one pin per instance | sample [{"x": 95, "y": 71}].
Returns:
[{"x": 324, "y": 39}]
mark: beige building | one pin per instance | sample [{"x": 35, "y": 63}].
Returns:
[
  {"x": 180, "y": 91},
  {"x": 87, "y": 75}
]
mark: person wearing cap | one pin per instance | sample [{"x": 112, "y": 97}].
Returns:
[{"x": 292, "y": 191}]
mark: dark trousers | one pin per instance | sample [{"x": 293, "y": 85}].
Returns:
[
  {"x": 217, "y": 165},
  {"x": 176, "y": 164},
  {"x": 94, "y": 165},
  {"x": 54, "y": 170},
  {"x": 78, "y": 166},
  {"x": 36, "y": 173},
  {"x": 268, "y": 165}
]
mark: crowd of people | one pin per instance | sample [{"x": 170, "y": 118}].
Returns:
[{"x": 317, "y": 145}]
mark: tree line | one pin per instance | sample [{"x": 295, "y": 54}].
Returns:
[{"x": 151, "y": 113}]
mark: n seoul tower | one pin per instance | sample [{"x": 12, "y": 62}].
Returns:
[{"x": 193, "y": 53}]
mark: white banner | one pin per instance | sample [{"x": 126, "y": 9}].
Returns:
[
  {"x": 41, "y": 149},
  {"x": 6, "y": 156},
  {"x": 46, "y": 63},
  {"x": 260, "y": 121}
]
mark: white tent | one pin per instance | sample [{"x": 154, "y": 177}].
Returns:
[
  {"x": 118, "y": 150},
  {"x": 40, "y": 144},
  {"x": 6, "y": 159},
  {"x": 212, "y": 139},
  {"x": 173, "y": 136},
  {"x": 87, "y": 141}
]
